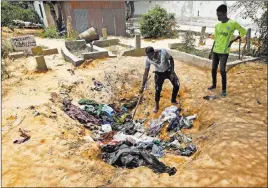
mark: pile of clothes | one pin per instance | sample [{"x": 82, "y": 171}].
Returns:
[{"x": 127, "y": 143}]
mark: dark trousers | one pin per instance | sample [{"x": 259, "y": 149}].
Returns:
[
  {"x": 159, "y": 79},
  {"x": 222, "y": 59}
]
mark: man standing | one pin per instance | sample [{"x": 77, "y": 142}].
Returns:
[
  {"x": 164, "y": 69},
  {"x": 221, "y": 47}
]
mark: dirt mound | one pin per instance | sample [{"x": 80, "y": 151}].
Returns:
[{"x": 230, "y": 132}]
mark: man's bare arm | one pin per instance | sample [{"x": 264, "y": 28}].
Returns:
[{"x": 145, "y": 76}]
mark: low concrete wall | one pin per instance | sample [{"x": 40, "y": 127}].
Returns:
[
  {"x": 190, "y": 59},
  {"x": 203, "y": 62},
  {"x": 134, "y": 52},
  {"x": 68, "y": 56},
  {"x": 100, "y": 53},
  {"x": 126, "y": 45},
  {"x": 105, "y": 43},
  {"x": 76, "y": 44}
]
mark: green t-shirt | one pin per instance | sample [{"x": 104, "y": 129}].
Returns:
[{"x": 224, "y": 34}]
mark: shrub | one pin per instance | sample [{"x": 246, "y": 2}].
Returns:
[
  {"x": 73, "y": 35},
  {"x": 158, "y": 23},
  {"x": 6, "y": 48},
  {"x": 50, "y": 32}
]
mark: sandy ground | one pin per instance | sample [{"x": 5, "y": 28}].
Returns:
[{"x": 231, "y": 132}]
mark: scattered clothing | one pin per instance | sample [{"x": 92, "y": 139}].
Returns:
[
  {"x": 106, "y": 128},
  {"x": 155, "y": 126},
  {"x": 169, "y": 113},
  {"x": 178, "y": 123},
  {"x": 125, "y": 142},
  {"x": 208, "y": 97},
  {"x": 158, "y": 151},
  {"x": 76, "y": 113},
  {"x": 123, "y": 155},
  {"x": 87, "y": 102},
  {"x": 131, "y": 103},
  {"x": 107, "y": 110},
  {"x": 188, "y": 151}
]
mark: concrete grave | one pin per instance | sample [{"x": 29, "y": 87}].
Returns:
[
  {"x": 23, "y": 43},
  {"x": 204, "y": 62},
  {"x": 78, "y": 51}
]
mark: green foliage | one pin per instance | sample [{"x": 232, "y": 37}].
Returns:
[
  {"x": 17, "y": 11},
  {"x": 73, "y": 35},
  {"x": 158, "y": 23},
  {"x": 50, "y": 32},
  {"x": 6, "y": 48},
  {"x": 250, "y": 9}
]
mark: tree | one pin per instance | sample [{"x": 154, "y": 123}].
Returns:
[
  {"x": 130, "y": 9},
  {"x": 249, "y": 9},
  {"x": 17, "y": 11},
  {"x": 57, "y": 18}
]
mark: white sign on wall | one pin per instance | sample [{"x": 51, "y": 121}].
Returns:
[{"x": 23, "y": 43}]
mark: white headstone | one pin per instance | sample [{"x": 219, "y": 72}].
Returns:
[{"x": 23, "y": 43}]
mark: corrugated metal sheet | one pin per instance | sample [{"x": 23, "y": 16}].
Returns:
[
  {"x": 95, "y": 19},
  {"x": 97, "y": 4},
  {"x": 81, "y": 19},
  {"x": 99, "y": 14}
]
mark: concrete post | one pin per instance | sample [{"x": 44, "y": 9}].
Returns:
[
  {"x": 104, "y": 33},
  {"x": 201, "y": 40},
  {"x": 138, "y": 41},
  {"x": 69, "y": 26},
  {"x": 41, "y": 63},
  {"x": 248, "y": 39}
]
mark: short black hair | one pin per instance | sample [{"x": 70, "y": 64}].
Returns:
[
  {"x": 222, "y": 8},
  {"x": 149, "y": 49}
]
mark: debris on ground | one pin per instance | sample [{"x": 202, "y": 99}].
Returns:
[
  {"x": 208, "y": 97},
  {"x": 125, "y": 142},
  {"x": 98, "y": 85},
  {"x": 24, "y": 136}
]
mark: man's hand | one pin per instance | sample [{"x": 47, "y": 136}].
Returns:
[{"x": 210, "y": 55}]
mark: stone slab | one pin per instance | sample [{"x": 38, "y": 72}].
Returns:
[
  {"x": 105, "y": 43},
  {"x": 134, "y": 52},
  {"x": 51, "y": 51},
  {"x": 16, "y": 55},
  {"x": 23, "y": 43},
  {"x": 75, "y": 44}
]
